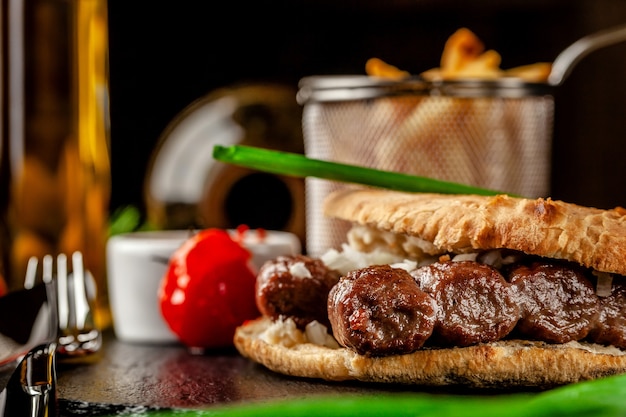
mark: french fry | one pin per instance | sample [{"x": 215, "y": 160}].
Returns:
[
  {"x": 486, "y": 66},
  {"x": 433, "y": 74},
  {"x": 538, "y": 72},
  {"x": 378, "y": 68},
  {"x": 464, "y": 56},
  {"x": 460, "y": 49},
  {"x": 447, "y": 137}
]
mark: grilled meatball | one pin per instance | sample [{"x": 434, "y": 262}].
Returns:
[
  {"x": 380, "y": 310},
  {"x": 558, "y": 302},
  {"x": 475, "y": 302},
  {"x": 295, "y": 287},
  {"x": 610, "y": 327}
]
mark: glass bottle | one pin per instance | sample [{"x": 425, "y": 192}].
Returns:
[{"x": 54, "y": 124}]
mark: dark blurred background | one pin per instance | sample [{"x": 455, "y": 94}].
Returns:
[{"x": 165, "y": 55}]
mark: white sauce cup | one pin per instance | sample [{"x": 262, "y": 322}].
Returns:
[{"x": 137, "y": 263}]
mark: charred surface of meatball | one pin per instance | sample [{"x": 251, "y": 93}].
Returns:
[
  {"x": 380, "y": 310},
  {"x": 476, "y": 304},
  {"x": 610, "y": 326},
  {"x": 558, "y": 302},
  {"x": 295, "y": 287}
]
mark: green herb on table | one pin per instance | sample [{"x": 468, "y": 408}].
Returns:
[{"x": 127, "y": 219}]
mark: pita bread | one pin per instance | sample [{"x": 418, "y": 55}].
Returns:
[
  {"x": 440, "y": 224},
  {"x": 509, "y": 363},
  {"x": 591, "y": 237}
]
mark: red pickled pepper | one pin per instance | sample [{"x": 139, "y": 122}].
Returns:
[
  {"x": 240, "y": 233},
  {"x": 208, "y": 290}
]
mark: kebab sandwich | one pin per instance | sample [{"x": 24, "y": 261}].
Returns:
[{"x": 433, "y": 289}]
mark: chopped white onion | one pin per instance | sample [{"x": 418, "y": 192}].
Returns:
[
  {"x": 317, "y": 334},
  {"x": 350, "y": 259},
  {"x": 604, "y": 284},
  {"x": 299, "y": 270},
  {"x": 492, "y": 258},
  {"x": 407, "y": 265},
  {"x": 283, "y": 332},
  {"x": 465, "y": 257}
]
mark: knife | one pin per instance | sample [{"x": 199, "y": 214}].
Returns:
[
  {"x": 27, "y": 332},
  {"x": 31, "y": 390}
]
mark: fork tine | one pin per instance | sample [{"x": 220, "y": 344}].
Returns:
[
  {"x": 62, "y": 292},
  {"x": 47, "y": 268},
  {"x": 78, "y": 334},
  {"x": 70, "y": 301},
  {"x": 81, "y": 305},
  {"x": 51, "y": 294},
  {"x": 31, "y": 272}
]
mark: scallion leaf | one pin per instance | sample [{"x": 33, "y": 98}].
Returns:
[{"x": 297, "y": 165}]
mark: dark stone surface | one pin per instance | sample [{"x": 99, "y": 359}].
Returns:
[
  {"x": 141, "y": 378},
  {"x": 169, "y": 376}
]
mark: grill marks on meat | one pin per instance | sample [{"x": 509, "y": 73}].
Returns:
[
  {"x": 380, "y": 310},
  {"x": 475, "y": 302}
]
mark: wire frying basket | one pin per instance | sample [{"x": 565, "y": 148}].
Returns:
[{"x": 492, "y": 134}]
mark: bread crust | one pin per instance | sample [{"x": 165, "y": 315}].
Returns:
[
  {"x": 503, "y": 364},
  {"x": 591, "y": 237}
]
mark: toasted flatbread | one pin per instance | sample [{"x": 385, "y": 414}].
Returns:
[
  {"x": 507, "y": 363},
  {"x": 591, "y": 237},
  {"x": 436, "y": 224}
]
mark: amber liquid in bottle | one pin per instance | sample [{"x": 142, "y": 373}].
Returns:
[{"x": 55, "y": 170}]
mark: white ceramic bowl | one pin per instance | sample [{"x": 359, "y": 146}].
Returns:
[{"x": 136, "y": 264}]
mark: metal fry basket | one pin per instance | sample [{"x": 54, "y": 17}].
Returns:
[{"x": 494, "y": 134}]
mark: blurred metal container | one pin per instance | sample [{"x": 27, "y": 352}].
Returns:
[{"x": 494, "y": 134}]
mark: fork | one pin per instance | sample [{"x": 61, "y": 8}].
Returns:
[
  {"x": 32, "y": 385},
  {"x": 70, "y": 297}
]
